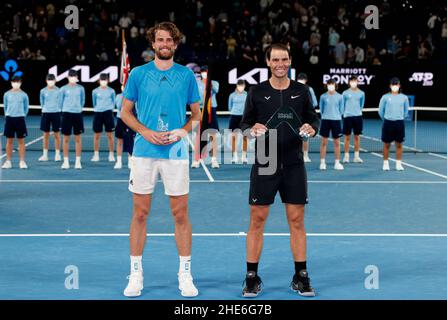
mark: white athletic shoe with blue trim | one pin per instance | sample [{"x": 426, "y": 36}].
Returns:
[
  {"x": 135, "y": 285},
  {"x": 186, "y": 285}
]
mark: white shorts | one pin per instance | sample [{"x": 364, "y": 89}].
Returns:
[{"x": 144, "y": 175}]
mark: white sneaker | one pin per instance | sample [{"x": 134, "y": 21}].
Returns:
[
  {"x": 386, "y": 166},
  {"x": 78, "y": 165},
  {"x": 95, "y": 158},
  {"x": 135, "y": 285},
  {"x": 43, "y": 158},
  {"x": 118, "y": 165},
  {"x": 234, "y": 159},
  {"x": 186, "y": 286},
  {"x": 57, "y": 157},
  {"x": 214, "y": 163},
  {"x": 65, "y": 165},
  {"x": 306, "y": 158},
  {"x": 358, "y": 160},
  {"x": 22, "y": 165},
  {"x": 111, "y": 158},
  {"x": 399, "y": 166},
  {"x": 7, "y": 165},
  {"x": 244, "y": 159},
  {"x": 195, "y": 164},
  {"x": 322, "y": 165},
  {"x": 346, "y": 158},
  {"x": 338, "y": 166}
]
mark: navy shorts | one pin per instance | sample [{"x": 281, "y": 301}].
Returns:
[
  {"x": 120, "y": 129},
  {"x": 15, "y": 127},
  {"x": 353, "y": 124},
  {"x": 128, "y": 140},
  {"x": 103, "y": 120},
  {"x": 330, "y": 126},
  {"x": 72, "y": 123},
  {"x": 235, "y": 122},
  {"x": 290, "y": 181},
  {"x": 393, "y": 130},
  {"x": 50, "y": 121}
]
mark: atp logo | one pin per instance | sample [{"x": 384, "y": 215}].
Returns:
[
  {"x": 425, "y": 77},
  {"x": 11, "y": 70}
]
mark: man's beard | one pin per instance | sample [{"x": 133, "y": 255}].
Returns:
[{"x": 164, "y": 56}]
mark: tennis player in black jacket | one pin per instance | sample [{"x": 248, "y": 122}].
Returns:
[{"x": 279, "y": 113}]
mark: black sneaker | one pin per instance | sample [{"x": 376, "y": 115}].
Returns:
[
  {"x": 253, "y": 285},
  {"x": 301, "y": 284}
]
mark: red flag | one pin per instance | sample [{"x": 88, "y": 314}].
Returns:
[{"x": 125, "y": 64}]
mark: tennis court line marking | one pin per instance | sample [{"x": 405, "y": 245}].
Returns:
[
  {"x": 239, "y": 234},
  {"x": 238, "y": 181},
  {"x": 437, "y": 155},
  {"x": 202, "y": 163},
  {"x": 26, "y": 145},
  {"x": 404, "y": 163}
]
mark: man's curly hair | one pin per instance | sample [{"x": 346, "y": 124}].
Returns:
[{"x": 166, "y": 26}]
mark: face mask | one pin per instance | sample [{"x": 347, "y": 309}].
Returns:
[
  {"x": 331, "y": 87},
  {"x": 103, "y": 83},
  {"x": 16, "y": 85},
  {"x": 395, "y": 88},
  {"x": 353, "y": 85},
  {"x": 240, "y": 88},
  {"x": 72, "y": 79},
  {"x": 302, "y": 81},
  {"x": 51, "y": 83},
  {"x": 204, "y": 75}
]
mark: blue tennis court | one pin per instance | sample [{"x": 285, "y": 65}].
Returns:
[{"x": 357, "y": 220}]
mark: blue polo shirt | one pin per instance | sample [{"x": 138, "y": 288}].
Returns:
[
  {"x": 119, "y": 104},
  {"x": 393, "y": 106},
  {"x": 353, "y": 100},
  {"x": 72, "y": 98},
  {"x": 16, "y": 103},
  {"x": 214, "y": 89},
  {"x": 236, "y": 103},
  {"x": 103, "y": 99},
  {"x": 331, "y": 106},
  {"x": 50, "y": 100},
  {"x": 161, "y": 97}
]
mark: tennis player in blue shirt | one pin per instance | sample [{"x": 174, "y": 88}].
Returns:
[
  {"x": 236, "y": 105},
  {"x": 50, "y": 101},
  {"x": 103, "y": 98},
  {"x": 331, "y": 109},
  {"x": 302, "y": 78},
  {"x": 393, "y": 109},
  {"x": 72, "y": 100},
  {"x": 162, "y": 90},
  {"x": 353, "y": 101},
  {"x": 16, "y": 104}
]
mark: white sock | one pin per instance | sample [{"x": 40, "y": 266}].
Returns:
[
  {"x": 58, "y": 152},
  {"x": 357, "y": 154},
  {"x": 45, "y": 152},
  {"x": 136, "y": 264},
  {"x": 244, "y": 154},
  {"x": 385, "y": 161},
  {"x": 118, "y": 159},
  {"x": 111, "y": 154},
  {"x": 234, "y": 154},
  {"x": 96, "y": 154},
  {"x": 337, "y": 161},
  {"x": 398, "y": 162},
  {"x": 66, "y": 159},
  {"x": 185, "y": 264},
  {"x": 78, "y": 159},
  {"x": 322, "y": 160},
  {"x": 306, "y": 154}
]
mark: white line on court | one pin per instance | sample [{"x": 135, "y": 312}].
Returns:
[
  {"x": 239, "y": 234},
  {"x": 437, "y": 155},
  {"x": 202, "y": 163},
  {"x": 237, "y": 181},
  {"x": 26, "y": 145}
]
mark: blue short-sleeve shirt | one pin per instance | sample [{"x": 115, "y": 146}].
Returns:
[{"x": 162, "y": 97}]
